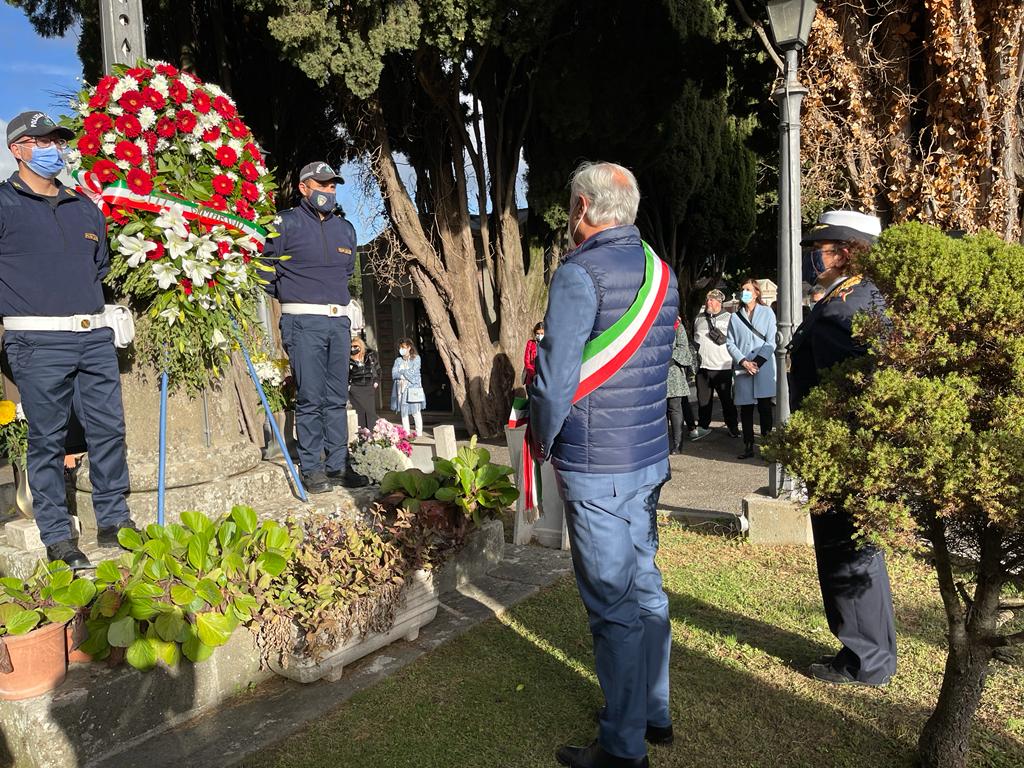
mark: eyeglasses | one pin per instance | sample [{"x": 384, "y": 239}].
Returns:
[{"x": 42, "y": 142}]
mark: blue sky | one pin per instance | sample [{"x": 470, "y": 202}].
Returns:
[{"x": 38, "y": 73}]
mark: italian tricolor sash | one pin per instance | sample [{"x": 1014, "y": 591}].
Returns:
[
  {"x": 118, "y": 194},
  {"x": 603, "y": 357}
]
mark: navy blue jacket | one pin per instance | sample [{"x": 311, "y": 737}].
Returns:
[
  {"x": 52, "y": 258},
  {"x": 620, "y": 427},
  {"x": 825, "y": 338},
  {"x": 323, "y": 257}
]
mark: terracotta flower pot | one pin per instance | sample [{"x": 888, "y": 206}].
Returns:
[
  {"x": 76, "y": 634},
  {"x": 39, "y": 662}
]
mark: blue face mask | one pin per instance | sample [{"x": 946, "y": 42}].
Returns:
[
  {"x": 813, "y": 265},
  {"x": 324, "y": 202},
  {"x": 746, "y": 297},
  {"x": 46, "y": 161}
]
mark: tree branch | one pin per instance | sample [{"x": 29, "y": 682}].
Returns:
[
  {"x": 1006, "y": 641},
  {"x": 758, "y": 27}
]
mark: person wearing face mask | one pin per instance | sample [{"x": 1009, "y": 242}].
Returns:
[
  {"x": 363, "y": 380},
  {"x": 59, "y": 345},
  {"x": 597, "y": 412},
  {"x": 312, "y": 286},
  {"x": 751, "y": 344},
  {"x": 854, "y": 580},
  {"x": 407, "y": 395},
  {"x": 715, "y": 372},
  {"x": 530, "y": 355}
]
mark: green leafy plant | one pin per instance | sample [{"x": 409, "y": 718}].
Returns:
[
  {"x": 51, "y": 595},
  {"x": 344, "y": 580},
  {"x": 470, "y": 481},
  {"x": 183, "y": 589}
]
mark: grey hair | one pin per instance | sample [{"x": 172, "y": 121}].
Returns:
[{"x": 611, "y": 191}]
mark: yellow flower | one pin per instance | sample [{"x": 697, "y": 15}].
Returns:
[{"x": 7, "y": 412}]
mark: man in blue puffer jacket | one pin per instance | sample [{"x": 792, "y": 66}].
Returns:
[{"x": 610, "y": 451}]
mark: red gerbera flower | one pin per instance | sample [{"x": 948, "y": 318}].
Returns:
[
  {"x": 157, "y": 253},
  {"x": 129, "y": 126},
  {"x": 248, "y": 171},
  {"x": 226, "y": 156},
  {"x": 218, "y": 203},
  {"x": 106, "y": 84},
  {"x": 186, "y": 286},
  {"x": 224, "y": 247},
  {"x": 128, "y": 151},
  {"x": 106, "y": 170},
  {"x": 99, "y": 100},
  {"x": 186, "y": 120},
  {"x": 223, "y": 185},
  {"x": 88, "y": 144},
  {"x": 166, "y": 70},
  {"x": 243, "y": 209},
  {"x": 201, "y": 101},
  {"x": 118, "y": 216},
  {"x": 178, "y": 92},
  {"x": 224, "y": 107},
  {"x": 250, "y": 191},
  {"x": 238, "y": 129},
  {"x": 253, "y": 151},
  {"x": 139, "y": 182},
  {"x": 97, "y": 122},
  {"x": 211, "y": 134},
  {"x": 140, "y": 73},
  {"x": 153, "y": 98},
  {"x": 131, "y": 101},
  {"x": 165, "y": 127}
]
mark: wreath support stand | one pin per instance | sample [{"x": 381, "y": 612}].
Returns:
[
  {"x": 162, "y": 464},
  {"x": 270, "y": 419}
]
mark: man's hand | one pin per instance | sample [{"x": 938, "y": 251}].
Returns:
[{"x": 750, "y": 367}]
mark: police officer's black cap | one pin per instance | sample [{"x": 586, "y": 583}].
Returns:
[
  {"x": 33, "y": 124},
  {"x": 321, "y": 172}
]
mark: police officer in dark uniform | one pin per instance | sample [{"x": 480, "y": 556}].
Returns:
[
  {"x": 312, "y": 286},
  {"x": 53, "y": 258},
  {"x": 854, "y": 580}
]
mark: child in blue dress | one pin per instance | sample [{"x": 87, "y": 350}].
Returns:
[{"x": 407, "y": 396}]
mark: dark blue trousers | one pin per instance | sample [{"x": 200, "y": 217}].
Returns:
[
  {"x": 614, "y": 541},
  {"x": 318, "y": 348},
  {"x": 53, "y": 369},
  {"x": 858, "y": 599}
]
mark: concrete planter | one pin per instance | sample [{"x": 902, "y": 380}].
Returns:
[{"x": 420, "y": 607}]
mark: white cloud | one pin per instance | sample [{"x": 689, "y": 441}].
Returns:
[{"x": 32, "y": 68}]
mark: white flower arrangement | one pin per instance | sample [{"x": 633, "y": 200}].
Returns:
[{"x": 374, "y": 460}]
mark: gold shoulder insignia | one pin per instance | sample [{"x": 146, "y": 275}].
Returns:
[{"x": 846, "y": 288}]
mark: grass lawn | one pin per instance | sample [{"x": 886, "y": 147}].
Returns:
[{"x": 745, "y": 622}]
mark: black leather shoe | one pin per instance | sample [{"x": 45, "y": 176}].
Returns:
[
  {"x": 748, "y": 451},
  {"x": 107, "y": 537},
  {"x": 349, "y": 478},
  {"x": 826, "y": 673},
  {"x": 653, "y": 734},
  {"x": 69, "y": 552},
  {"x": 316, "y": 483},
  {"x": 594, "y": 756}
]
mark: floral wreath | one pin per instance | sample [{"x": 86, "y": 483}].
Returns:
[{"x": 186, "y": 195}]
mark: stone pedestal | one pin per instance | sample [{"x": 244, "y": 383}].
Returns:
[
  {"x": 776, "y": 521},
  {"x": 549, "y": 530}
]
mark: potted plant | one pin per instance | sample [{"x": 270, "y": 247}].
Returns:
[
  {"x": 922, "y": 442},
  {"x": 385, "y": 448},
  {"x": 183, "y": 589},
  {"x": 33, "y": 619},
  {"x": 351, "y": 588},
  {"x": 14, "y": 445}
]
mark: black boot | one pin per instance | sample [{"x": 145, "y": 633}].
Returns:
[
  {"x": 594, "y": 756},
  {"x": 748, "y": 451},
  {"x": 69, "y": 552},
  {"x": 107, "y": 537}
]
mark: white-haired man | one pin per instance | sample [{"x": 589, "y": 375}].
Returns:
[{"x": 597, "y": 411}]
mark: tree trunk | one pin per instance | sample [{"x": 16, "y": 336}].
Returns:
[{"x": 945, "y": 738}]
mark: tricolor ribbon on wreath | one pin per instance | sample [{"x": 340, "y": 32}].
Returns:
[
  {"x": 603, "y": 357},
  {"x": 117, "y": 194}
]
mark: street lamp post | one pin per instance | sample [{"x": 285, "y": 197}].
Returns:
[
  {"x": 790, "y": 22},
  {"x": 122, "y": 32}
]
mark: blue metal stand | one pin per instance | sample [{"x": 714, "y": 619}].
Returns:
[
  {"x": 162, "y": 471},
  {"x": 270, "y": 419}
]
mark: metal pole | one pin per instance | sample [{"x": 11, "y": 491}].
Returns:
[
  {"x": 123, "y": 32},
  {"x": 161, "y": 488},
  {"x": 789, "y": 97}
]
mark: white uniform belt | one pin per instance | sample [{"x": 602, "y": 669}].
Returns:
[
  {"x": 328, "y": 310},
  {"x": 76, "y": 323}
]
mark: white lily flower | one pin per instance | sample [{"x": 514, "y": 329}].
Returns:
[
  {"x": 218, "y": 340},
  {"x": 196, "y": 271},
  {"x": 19, "y": 412},
  {"x": 135, "y": 247},
  {"x": 177, "y": 247},
  {"x": 166, "y": 273},
  {"x": 173, "y": 221},
  {"x": 170, "y": 315},
  {"x": 204, "y": 246}
]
